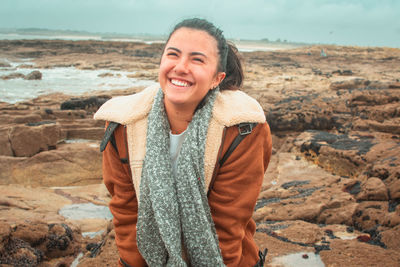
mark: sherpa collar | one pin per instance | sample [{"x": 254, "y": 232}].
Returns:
[{"x": 230, "y": 108}]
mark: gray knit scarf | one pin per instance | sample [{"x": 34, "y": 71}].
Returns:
[{"x": 173, "y": 210}]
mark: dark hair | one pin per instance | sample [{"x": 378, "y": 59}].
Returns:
[{"x": 229, "y": 60}]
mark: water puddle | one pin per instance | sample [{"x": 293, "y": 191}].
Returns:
[
  {"x": 85, "y": 211},
  {"x": 78, "y": 141},
  {"x": 300, "y": 259},
  {"x": 345, "y": 235},
  {"x": 68, "y": 80},
  {"x": 92, "y": 234},
  {"x": 76, "y": 261}
]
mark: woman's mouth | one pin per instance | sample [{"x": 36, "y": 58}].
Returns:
[{"x": 180, "y": 83}]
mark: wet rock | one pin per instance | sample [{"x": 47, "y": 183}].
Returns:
[
  {"x": 34, "y": 75},
  {"x": 106, "y": 74},
  {"x": 374, "y": 97},
  {"x": 350, "y": 84},
  {"x": 15, "y": 75},
  {"x": 92, "y": 103},
  {"x": 104, "y": 252},
  {"x": 373, "y": 189},
  {"x": 341, "y": 154},
  {"x": 343, "y": 72},
  {"x": 29, "y": 244},
  {"x": 300, "y": 114},
  {"x": 4, "y": 64}
]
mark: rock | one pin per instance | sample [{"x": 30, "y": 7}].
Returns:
[
  {"x": 31, "y": 118},
  {"x": 300, "y": 114},
  {"x": 371, "y": 214},
  {"x": 395, "y": 190},
  {"x": 7, "y": 164},
  {"x": 391, "y": 237},
  {"x": 373, "y": 189},
  {"x": 350, "y": 84},
  {"x": 34, "y": 242},
  {"x": 374, "y": 97},
  {"x": 5, "y": 145},
  {"x": 34, "y": 75},
  {"x": 104, "y": 253},
  {"x": 68, "y": 165},
  {"x": 343, "y": 72},
  {"x": 90, "y": 133},
  {"x": 91, "y": 103},
  {"x": 106, "y": 74},
  {"x": 355, "y": 253},
  {"x": 339, "y": 153},
  {"x": 15, "y": 75},
  {"x": 27, "y": 141},
  {"x": 4, "y": 64}
]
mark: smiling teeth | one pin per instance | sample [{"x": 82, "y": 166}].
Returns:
[{"x": 180, "y": 83}]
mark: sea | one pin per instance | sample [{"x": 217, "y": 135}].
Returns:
[{"x": 73, "y": 81}]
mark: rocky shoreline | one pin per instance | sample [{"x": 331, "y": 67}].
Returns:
[{"x": 330, "y": 196}]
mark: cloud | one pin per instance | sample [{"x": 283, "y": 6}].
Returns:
[{"x": 333, "y": 21}]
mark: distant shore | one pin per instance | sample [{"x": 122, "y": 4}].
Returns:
[{"x": 42, "y": 34}]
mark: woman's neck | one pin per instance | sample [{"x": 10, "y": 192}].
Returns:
[{"x": 178, "y": 117}]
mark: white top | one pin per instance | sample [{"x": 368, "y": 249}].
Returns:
[{"x": 176, "y": 141}]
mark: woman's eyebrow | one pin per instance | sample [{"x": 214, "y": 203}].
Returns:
[
  {"x": 192, "y": 53},
  {"x": 173, "y": 48}
]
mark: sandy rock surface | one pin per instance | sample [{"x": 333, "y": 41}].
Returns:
[{"x": 330, "y": 196}]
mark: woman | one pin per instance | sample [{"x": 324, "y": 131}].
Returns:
[{"x": 176, "y": 199}]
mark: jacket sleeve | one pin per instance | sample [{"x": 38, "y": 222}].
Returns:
[
  {"x": 123, "y": 205},
  {"x": 235, "y": 192}
]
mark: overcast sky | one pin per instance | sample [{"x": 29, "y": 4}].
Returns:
[{"x": 345, "y": 22}]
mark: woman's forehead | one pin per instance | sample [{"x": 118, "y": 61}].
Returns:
[{"x": 193, "y": 39}]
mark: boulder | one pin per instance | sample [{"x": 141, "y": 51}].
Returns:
[
  {"x": 373, "y": 189},
  {"x": 27, "y": 140},
  {"x": 34, "y": 75},
  {"x": 69, "y": 164}
]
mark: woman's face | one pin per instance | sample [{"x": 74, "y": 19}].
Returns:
[{"x": 188, "y": 68}]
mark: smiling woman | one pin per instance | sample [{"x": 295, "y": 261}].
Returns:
[{"x": 184, "y": 179}]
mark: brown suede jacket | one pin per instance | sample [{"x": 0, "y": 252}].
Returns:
[{"x": 237, "y": 182}]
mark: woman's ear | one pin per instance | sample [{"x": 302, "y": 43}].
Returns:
[{"x": 218, "y": 79}]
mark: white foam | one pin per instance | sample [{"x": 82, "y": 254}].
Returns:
[{"x": 68, "y": 80}]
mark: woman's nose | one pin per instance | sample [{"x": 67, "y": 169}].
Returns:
[{"x": 182, "y": 66}]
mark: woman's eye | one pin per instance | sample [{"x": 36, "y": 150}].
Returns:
[
  {"x": 172, "y": 54},
  {"x": 198, "y": 59}
]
